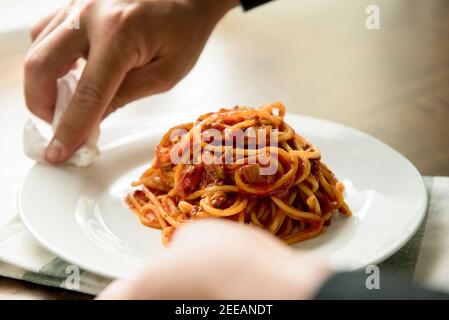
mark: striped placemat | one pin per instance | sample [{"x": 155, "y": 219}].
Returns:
[{"x": 425, "y": 258}]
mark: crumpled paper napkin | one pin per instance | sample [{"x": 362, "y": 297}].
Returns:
[{"x": 35, "y": 138}]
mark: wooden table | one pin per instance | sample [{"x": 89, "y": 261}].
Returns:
[{"x": 314, "y": 55}]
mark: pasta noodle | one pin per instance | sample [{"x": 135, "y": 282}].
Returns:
[{"x": 242, "y": 164}]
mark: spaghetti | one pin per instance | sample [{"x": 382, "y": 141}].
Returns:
[{"x": 213, "y": 168}]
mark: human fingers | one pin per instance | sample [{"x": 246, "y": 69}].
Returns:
[
  {"x": 102, "y": 75},
  {"x": 49, "y": 60}
]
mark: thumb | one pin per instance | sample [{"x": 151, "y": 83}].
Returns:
[{"x": 99, "y": 82}]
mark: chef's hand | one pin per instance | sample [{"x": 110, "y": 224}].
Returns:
[
  {"x": 133, "y": 48},
  {"x": 224, "y": 260}
]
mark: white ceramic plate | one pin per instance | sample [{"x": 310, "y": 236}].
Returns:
[{"x": 79, "y": 214}]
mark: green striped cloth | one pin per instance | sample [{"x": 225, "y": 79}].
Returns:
[
  {"x": 425, "y": 258},
  {"x": 22, "y": 257}
]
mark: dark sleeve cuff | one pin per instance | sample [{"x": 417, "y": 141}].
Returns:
[
  {"x": 352, "y": 286},
  {"x": 251, "y": 4}
]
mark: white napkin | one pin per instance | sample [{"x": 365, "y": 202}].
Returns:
[{"x": 35, "y": 139}]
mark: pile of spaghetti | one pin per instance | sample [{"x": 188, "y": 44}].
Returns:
[{"x": 295, "y": 202}]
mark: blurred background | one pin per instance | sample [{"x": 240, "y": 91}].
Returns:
[{"x": 316, "y": 56}]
